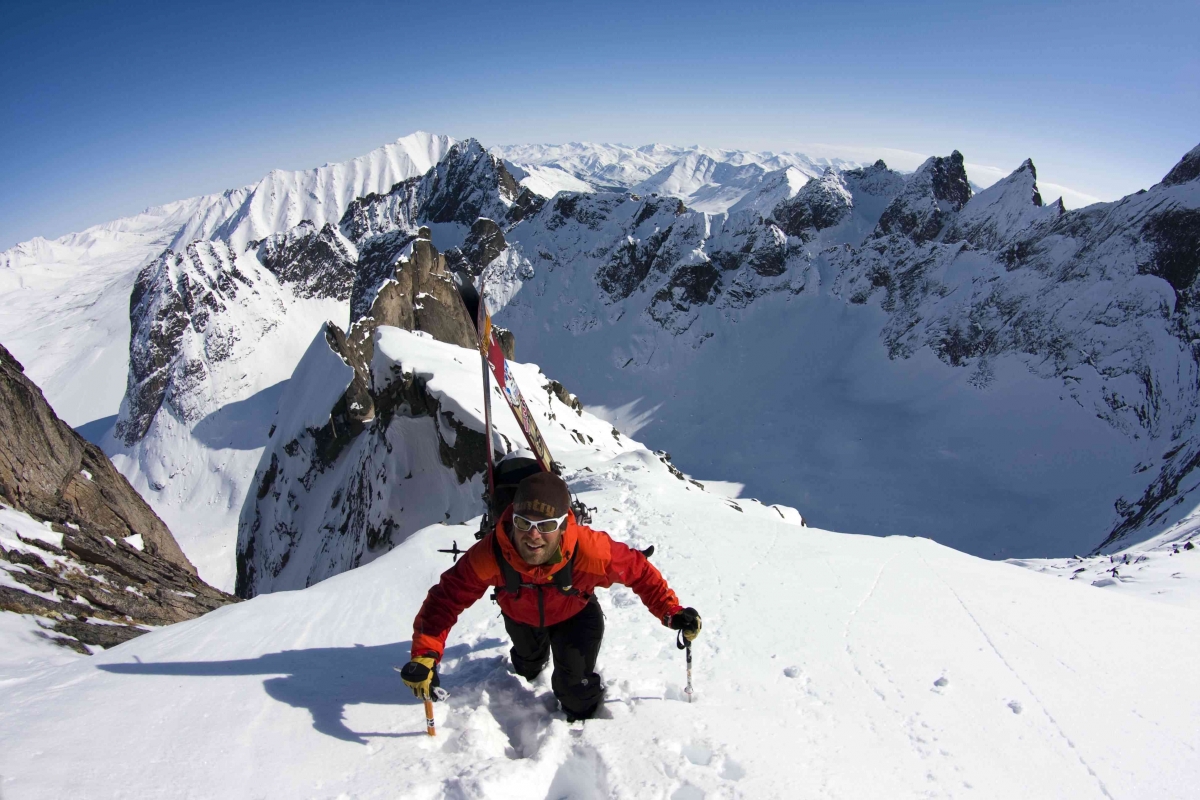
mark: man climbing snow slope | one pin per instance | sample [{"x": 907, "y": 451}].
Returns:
[{"x": 545, "y": 567}]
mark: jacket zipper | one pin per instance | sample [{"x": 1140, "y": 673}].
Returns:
[{"x": 541, "y": 607}]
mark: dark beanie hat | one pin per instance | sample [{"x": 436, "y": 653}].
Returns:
[{"x": 543, "y": 493}]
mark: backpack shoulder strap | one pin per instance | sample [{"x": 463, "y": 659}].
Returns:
[
  {"x": 564, "y": 579},
  {"x": 512, "y": 579}
]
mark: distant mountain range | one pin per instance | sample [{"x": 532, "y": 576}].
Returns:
[{"x": 889, "y": 352}]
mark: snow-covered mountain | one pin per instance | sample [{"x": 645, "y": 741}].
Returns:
[
  {"x": 1018, "y": 367},
  {"x": 936, "y": 357},
  {"x": 886, "y": 351},
  {"x": 73, "y": 292},
  {"x": 706, "y": 179}
]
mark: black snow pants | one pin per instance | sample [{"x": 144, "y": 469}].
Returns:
[{"x": 575, "y": 643}]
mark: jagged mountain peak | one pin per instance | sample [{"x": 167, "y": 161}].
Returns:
[
  {"x": 933, "y": 193},
  {"x": 467, "y": 184},
  {"x": 1003, "y": 210},
  {"x": 821, "y": 203},
  {"x": 1187, "y": 170},
  {"x": 174, "y": 300},
  {"x": 948, "y": 179}
]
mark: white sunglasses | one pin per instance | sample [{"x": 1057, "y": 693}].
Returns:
[{"x": 523, "y": 524}]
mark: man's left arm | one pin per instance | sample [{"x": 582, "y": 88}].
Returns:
[{"x": 630, "y": 567}]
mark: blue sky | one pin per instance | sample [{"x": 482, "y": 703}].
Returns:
[{"x": 110, "y": 108}]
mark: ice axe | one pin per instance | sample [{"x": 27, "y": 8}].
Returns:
[{"x": 438, "y": 694}]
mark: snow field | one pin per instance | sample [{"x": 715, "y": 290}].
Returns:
[
  {"x": 1165, "y": 568},
  {"x": 829, "y": 666}
]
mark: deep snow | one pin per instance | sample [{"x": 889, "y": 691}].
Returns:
[{"x": 830, "y": 665}]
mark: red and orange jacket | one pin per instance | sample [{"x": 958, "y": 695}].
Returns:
[{"x": 599, "y": 563}]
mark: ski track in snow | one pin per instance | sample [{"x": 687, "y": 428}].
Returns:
[{"x": 1041, "y": 706}]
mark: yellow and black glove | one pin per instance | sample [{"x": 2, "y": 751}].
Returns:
[
  {"x": 687, "y": 622},
  {"x": 421, "y": 676}
]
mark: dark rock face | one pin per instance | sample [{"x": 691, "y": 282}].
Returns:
[
  {"x": 527, "y": 204},
  {"x": 646, "y": 248},
  {"x": 822, "y": 203},
  {"x": 50, "y": 473},
  {"x": 176, "y": 292},
  {"x": 1175, "y": 235},
  {"x": 750, "y": 242},
  {"x": 937, "y": 190},
  {"x": 48, "y": 470},
  {"x": 463, "y": 186},
  {"x": 483, "y": 245},
  {"x": 690, "y": 285},
  {"x": 589, "y": 210},
  {"x": 630, "y": 265},
  {"x": 1187, "y": 170},
  {"x": 357, "y": 464},
  {"x": 316, "y": 263},
  {"x": 410, "y": 287}
]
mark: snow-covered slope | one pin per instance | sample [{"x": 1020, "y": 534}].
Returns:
[
  {"x": 73, "y": 292},
  {"x": 1164, "y": 568},
  {"x": 830, "y": 666},
  {"x": 216, "y": 336}
]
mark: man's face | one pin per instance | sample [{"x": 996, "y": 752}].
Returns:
[{"x": 534, "y": 546}]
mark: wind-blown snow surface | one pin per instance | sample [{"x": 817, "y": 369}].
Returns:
[
  {"x": 73, "y": 330},
  {"x": 830, "y": 666}
]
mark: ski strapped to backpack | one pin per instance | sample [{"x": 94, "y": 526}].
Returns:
[{"x": 496, "y": 366}]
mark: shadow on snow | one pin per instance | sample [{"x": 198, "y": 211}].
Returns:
[{"x": 324, "y": 680}]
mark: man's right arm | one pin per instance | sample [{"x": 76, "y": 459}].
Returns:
[{"x": 459, "y": 588}]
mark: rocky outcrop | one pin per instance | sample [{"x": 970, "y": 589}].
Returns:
[
  {"x": 179, "y": 329},
  {"x": 1186, "y": 171},
  {"x": 103, "y": 565},
  {"x": 936, "y": 190},
  {"x": 822, "y": 203},
  {"x": 333, "y": 493},
  {"x": 315, "y": 263},
  {"x": 49, "y": 471},
  {"x": 483, "y": 245}
]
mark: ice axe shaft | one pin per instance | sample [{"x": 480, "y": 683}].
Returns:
[
  {"x": 429, "y": 724},
  {"x": 688, "y": 689}
]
